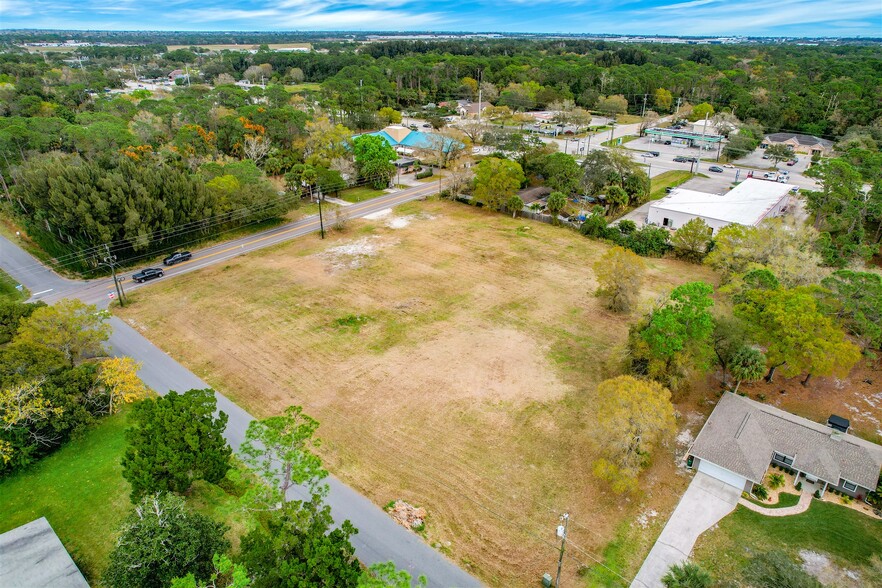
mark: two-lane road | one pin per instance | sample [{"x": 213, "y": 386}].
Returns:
[{"x": 379, "y": 538}]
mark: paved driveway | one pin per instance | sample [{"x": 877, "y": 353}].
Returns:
[{"x": 705, "y": 502}]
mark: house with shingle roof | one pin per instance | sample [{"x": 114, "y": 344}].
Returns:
[
  {"x": 808, "y": 144},
  {"x": 742, "y": 437},
  {"x": 33, "y": 555}
]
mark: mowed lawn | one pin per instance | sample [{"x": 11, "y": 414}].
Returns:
[
  {"x": 8, "y": 290},
  {"x": 81, "y": 492},
  {"x": 668, "y": 179},
  {"x": 850, "y": 537},
  {"x": 451, "y": 355}
]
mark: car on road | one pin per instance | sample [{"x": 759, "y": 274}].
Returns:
[
  {"x": 147, "y": 274},
  {"x": 793, "y": 162},
  {"x": 177, "y": 257},
  {"x": 729, "y": 165},
  {"x": 654, "y": 153},
  {"x": 680, "y": 159},
  {"x": 715, "y": 169},
  {"x": 765, "y": 155}
]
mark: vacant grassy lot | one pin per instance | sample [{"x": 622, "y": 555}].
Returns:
[
  {"x": 307, "y": 87},
  {"x": 849, "y": 537},
  {"x": 234, "y": 47},
  {"x": 451, "y": 356},
  {"x": 360, "y": 194}
]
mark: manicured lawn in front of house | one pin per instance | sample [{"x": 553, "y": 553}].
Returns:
[
  {"x": 79, "y": 489},
  {"x": 784, "y": 500},
  {"x": 669, "y": 179},
  {"x": 849, "y": 537},
  {"x": 359, "y": 194}
]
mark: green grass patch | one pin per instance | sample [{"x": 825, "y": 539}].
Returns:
[
  {"x": 616, "y": 561},
  {"x": 784, "y": 500},
  {"x": 308, "y": 87},
  {"x": 81, "y": 492},
  {"x": 668, "y": 179},
  {"x": 360, "y": 194},
  {"x": 8, "y": 290},
  {"x": 619, "y": 141},
  {"x": 627, "y": 119},
  {"x": 351, "y": 322},
  {"x": 850, "y": 537}
]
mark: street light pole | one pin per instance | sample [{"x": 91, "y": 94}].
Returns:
[{"x": 562, "y": 533}]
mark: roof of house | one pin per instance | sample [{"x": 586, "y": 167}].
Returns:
[
  {"x": 32, "y": 555},
  {"x": 399, "y": 136},
  {"x": 800, "y": 138},
  {"x": 741, "y": 435},
  {"x": 746, "y": 204},
  {"x": 530, "y": 195}
]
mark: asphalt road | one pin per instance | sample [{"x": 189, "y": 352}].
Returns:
[
  {"x": 45, "y": 285},
  {"x": 379, "y": 539}
]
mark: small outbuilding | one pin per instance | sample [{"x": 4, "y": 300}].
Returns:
[{"x": 32, "y": 555}]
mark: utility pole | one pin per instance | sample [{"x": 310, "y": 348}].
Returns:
[
  {"x": 111, "y": 261},
  {"x": 562, "y": 533},
  {"x": 321, "y": 219},
  {"x": 676, "y": 112},
  {"x": 643, "y": 114},
  {"x": 480, "y": 93}
]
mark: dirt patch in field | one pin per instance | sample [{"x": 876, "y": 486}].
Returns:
[{"x": 454, "y": 367}]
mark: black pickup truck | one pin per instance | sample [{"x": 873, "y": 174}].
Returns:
[
  {"x": 147, "y": 274},
  {"x": 176, "y": 257}
]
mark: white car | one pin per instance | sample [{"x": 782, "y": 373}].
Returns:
[{"x": 729, "y": 165}]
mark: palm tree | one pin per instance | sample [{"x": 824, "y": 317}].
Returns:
[
  {"x": 748, "y": 364},
  {"x": 686, "y": 575}
]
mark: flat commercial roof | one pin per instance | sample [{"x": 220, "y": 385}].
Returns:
[
  {"x": 678, "y": 134},
  {"x": 746, "y": 204},
  {"x": 32, "y": 555}
]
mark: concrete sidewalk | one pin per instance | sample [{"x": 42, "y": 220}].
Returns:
[{"x": 705, "y": 502}]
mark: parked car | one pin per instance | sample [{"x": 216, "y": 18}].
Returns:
[
  {"x": 793, "y": 162},
  {"x": 668, "y": 190},
  {"x": 177, "y": 257},
  {"x": 715, "y": 169},
  {"x": 147, "y": 274},
  {"x": 667, "y": 142},
  {"x": 765, "y": 155}
]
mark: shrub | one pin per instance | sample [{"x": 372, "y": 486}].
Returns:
[
  {"x": 775, "y": 569},
  {"x": 846, "y": 499},
  {"x": 594, "y": 226},
  {"x": 627, "y": 227},
  {"x": 686, "y": 575},
  {"x": 798, "y": 486},
  {"x": 817, "y": 494},
  {"x": 425, "y": 174},
  {"x": 648, "y": 241},
  {"x": 776, "y": 481},
  {"x": 761, "y": 492}
]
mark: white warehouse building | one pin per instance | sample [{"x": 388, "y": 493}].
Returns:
[{"x": 749, "y": 203}]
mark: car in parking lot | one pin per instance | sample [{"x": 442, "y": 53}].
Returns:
[
  {"x": 147, "y": 274},
  {"x": 715, "y": 169},
  {"x": 177, "y": 257},
  {"x": 793, "y": 162}
]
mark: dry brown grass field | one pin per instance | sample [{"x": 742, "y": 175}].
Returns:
[{"x": 451, "y": 356}]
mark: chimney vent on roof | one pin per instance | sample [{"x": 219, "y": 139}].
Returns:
[{"x": 838, "y": 423}]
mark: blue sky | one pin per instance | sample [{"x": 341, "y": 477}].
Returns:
[{"x": 686, "y": 17}]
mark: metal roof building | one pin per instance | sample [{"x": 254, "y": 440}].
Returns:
[{"x": 749, "y": 203}]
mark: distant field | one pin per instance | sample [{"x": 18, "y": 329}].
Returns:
[
  {"x": 234, "y": 47},
  {"x": 307, "y": 87},
  {"x": 451, "y": 356},
  {"x": 51, "y": 49}
]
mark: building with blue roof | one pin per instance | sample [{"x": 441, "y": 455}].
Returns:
[{"x": 405, "y": 140}]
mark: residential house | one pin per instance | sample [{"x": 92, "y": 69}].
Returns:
[
  {"x": 808, "y": 144},
  {"x": 405, "y": 141},
  {"x": 33, "y": 555},
  {"x": 749, "y": 203},
  {"x": 742, "y": 438},
  {"x": 178, "y": 73}
]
